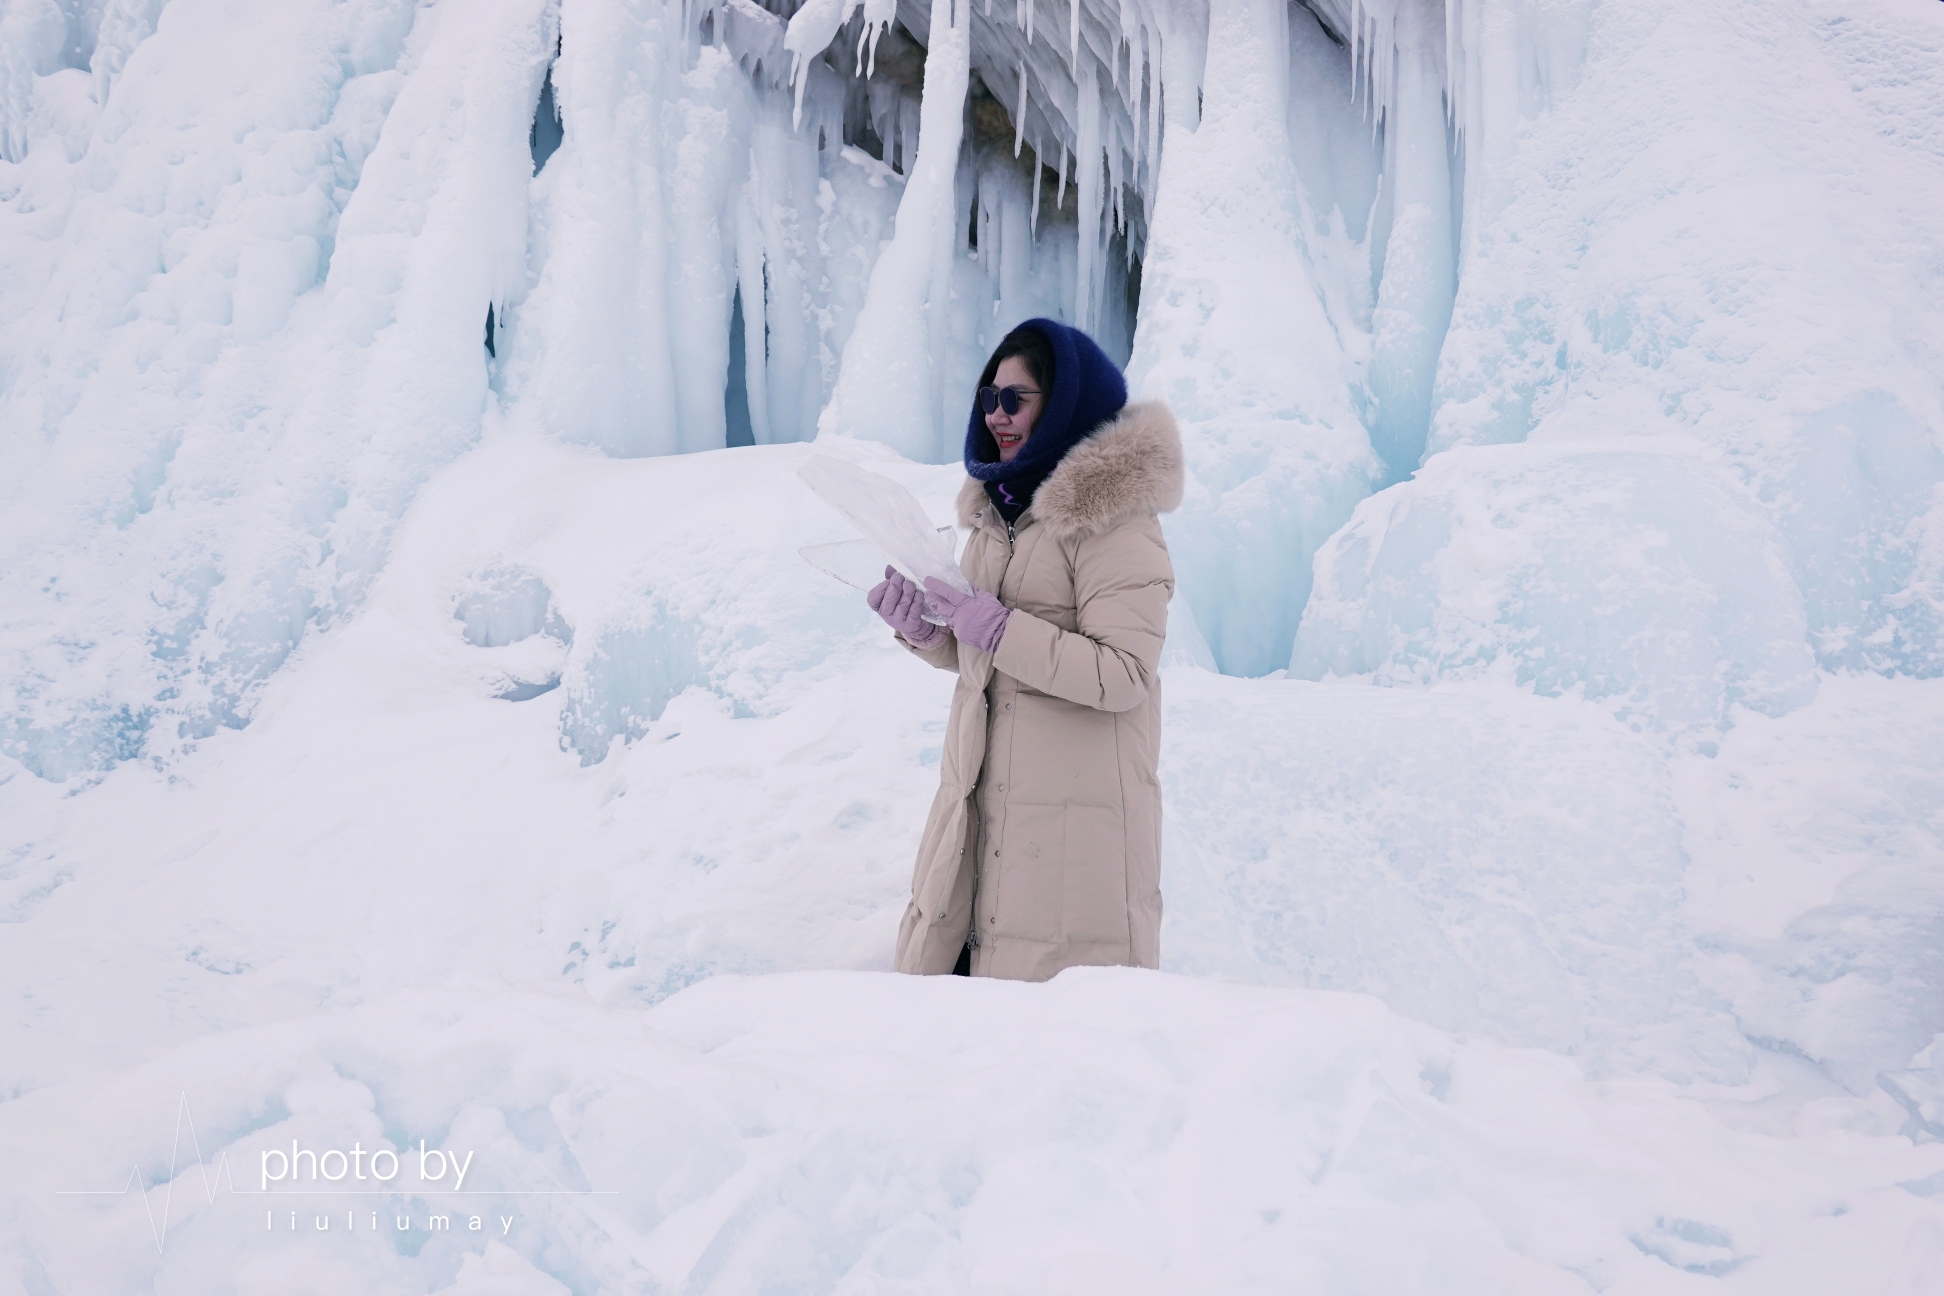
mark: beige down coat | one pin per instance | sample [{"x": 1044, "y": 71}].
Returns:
[{"x": 1047, "y": 820}]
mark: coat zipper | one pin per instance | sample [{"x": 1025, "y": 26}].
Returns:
[{"x": 972, "y": 937}]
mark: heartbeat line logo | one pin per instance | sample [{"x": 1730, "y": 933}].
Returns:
[
  {"x": 352, "y": 1164},
  {"x": 159, "y": 1229}
]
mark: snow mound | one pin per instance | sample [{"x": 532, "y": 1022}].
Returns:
[
  {"x": 1492, "y": 863},
  {"x": 1672, "y": 242},
  {"x": 393, "y": 910},
  {"x": 503, "y": 605},
  {"x": 865, "y": 1132},
  {"x": 1618, "y": 573},
  {"x": 1816, "y": 898}
]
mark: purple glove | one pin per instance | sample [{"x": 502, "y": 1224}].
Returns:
[
  {"x": 902, "y": 604},
  {"x": 977, "y": 618}
]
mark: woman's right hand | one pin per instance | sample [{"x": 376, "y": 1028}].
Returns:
[{"x": 901, "y": 605}]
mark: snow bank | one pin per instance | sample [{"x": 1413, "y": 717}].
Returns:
[
  {"x": 1814, "y": 897},
  {"x": 1666, "y": 238},
  {"x": 395, "y": 909},
  {"x": 1480, "y": 860},
  {"x": 725, "y": 757},
  {"x": 847, "y": 1132},
  {"x": 1618, "y": 573}
]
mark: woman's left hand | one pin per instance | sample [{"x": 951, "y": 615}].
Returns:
[
  {"x": 977, "y": 618},
  {"x": 902, "y": 604}
]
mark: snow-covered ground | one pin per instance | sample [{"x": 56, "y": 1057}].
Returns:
[
  {"x": 413, "y": 749},
  {"x": 1465, "y": 989}
]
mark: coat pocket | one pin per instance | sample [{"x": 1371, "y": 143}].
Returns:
[
  {"x": 1093, "y": 892},
  {"x": 1028, "y": 866},
  {"x": 1064, "y": 752}
]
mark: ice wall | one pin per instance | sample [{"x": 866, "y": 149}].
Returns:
[
  {"x": 1416, "y": 272},
  {"x": 1661, "y": 239},
  {"x": 277, "y": 237},
  {"x": 882, "y": 203},
  {"x": 246, "y": 261},
  {"x": 1618, "y": 571},
  {"x": 245, "y": 288},
  {"x": 1236, "y": 331}
]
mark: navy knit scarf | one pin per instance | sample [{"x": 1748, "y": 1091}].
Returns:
[{"x": 1087, "y": 390}]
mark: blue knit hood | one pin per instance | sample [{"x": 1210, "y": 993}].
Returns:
[{"x": 1088, "y": 390}]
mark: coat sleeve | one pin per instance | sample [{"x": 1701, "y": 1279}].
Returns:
[
  {"x": 943, "y": 654},
  {"x": 1122, "y": 582}
]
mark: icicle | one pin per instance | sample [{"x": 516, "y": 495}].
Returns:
[
  {"x": 1073, "y": 38},
  {"x": 755, "y": 305},
  {"x": 1153, "y": 40},
  {"x": 992, "y": 238},
  {"x": 1113, "y": 174},
  {"x": 1029, "y": 22},
  {"x": 1002, "y": 257},
  {"x": 981, "y": 228},
  {"x": 1011, "y": 253},
  {"x": 1019, "y": 121},
  {"x": 995, "y": 234},
  {"x": 1356, "y": 51},
  {"x": 1151, "y": 37},
  {"x": 1039, "y": 169},
  {"x": 1092, "y": 199},
  {"x": 808, "y": 33},
  {"x": 1059, "y": 195}
]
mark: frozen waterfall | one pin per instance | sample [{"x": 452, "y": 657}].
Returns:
[{"x": 1341, "y": 237}]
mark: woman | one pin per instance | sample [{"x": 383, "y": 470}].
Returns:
[{"x": 1043, "y": 849}]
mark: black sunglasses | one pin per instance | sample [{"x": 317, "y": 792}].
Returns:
[{"x": 994, "y": 399}]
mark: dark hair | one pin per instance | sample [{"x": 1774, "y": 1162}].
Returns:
[{"x": 1033, "y": 350}]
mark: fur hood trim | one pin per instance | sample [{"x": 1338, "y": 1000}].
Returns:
[{"x": 1130, "y": 465}]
